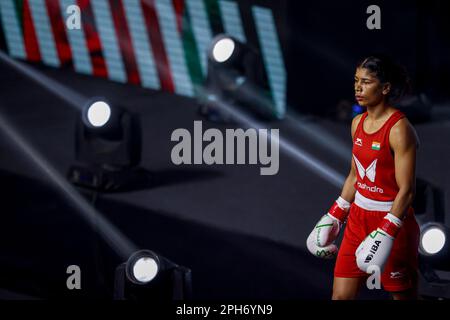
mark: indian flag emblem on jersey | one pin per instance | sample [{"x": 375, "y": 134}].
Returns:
[{"x": 375, "y": 145}]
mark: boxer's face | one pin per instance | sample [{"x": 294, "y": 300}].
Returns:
[{"x": 369, "y": 91}]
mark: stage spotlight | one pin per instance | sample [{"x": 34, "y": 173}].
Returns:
[
  {"x": 142, "y": 267},
  {"x": 230, "y": 53},
  {"x": 433, "y": 239},
  {"x": 107, "y": 146},
  {"x": 98, "y": 113},
  {"x": 434, "y": 247},
  {"x": 223, "y": 49},
  {"x": 108, "y": 136},
  {"x": 236, "y": 75},
  {"x": 148, "y": 276}
]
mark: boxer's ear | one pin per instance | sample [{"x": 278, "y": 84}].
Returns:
[{"x": 386, "y": 88}]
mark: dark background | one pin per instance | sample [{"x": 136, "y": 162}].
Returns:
[{"x": 323, "y": 40}]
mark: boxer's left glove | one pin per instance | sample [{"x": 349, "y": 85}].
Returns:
[
  {"x": 321, "y": 239},
  {"x": 376, "y": 247}
]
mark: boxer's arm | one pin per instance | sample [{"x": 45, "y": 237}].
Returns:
[
  {"x": 348, "y": 190},
  {"x": 320, "y": 241},
  {"x": 404, "y": 143}
]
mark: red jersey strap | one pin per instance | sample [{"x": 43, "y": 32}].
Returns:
[
  {"x": 393, "y": 119},
  {"x": 361, "y": 121}
]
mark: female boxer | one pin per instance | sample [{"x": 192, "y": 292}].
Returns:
[{"x": 382, "y": 235}]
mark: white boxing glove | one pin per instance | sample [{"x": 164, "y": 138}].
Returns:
[
  {"x": 320, "y": 241},
  {"x": 374, "y": 250},
  {"x": 326, "y": 252}
]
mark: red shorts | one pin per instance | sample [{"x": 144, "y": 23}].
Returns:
[{"x": 400, "y": 272}]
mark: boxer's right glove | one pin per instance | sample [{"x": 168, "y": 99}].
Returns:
[{"x": 321, "y": 240}]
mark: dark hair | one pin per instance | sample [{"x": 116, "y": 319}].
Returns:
[{"x": 387, "y": 70}]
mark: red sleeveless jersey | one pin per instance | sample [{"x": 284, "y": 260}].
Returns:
[{"x": 374, "y": 161}]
